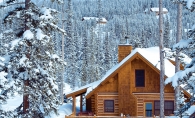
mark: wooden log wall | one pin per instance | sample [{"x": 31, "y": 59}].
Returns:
[
  {"x": 100, "y": 105},
  {"x": 149, "y": 97},
  {"x": 152, "y": 79}
]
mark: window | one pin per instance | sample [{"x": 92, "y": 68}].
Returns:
[
  {"x": 140, "y": 78},
  {"x": 148, "y": 109},
  {"x": 157, "y": 108},
  {"x": 168, "y": 108},
  {"x": 108, "y": 105}
]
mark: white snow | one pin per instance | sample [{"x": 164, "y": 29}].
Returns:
[
  {"x": 40, "y": 35},
  {"x": 12, "y": 103},
  {"x": 23, "y": 60},
  {"x": 28, "y": 34},
  {"x": 156, "y": 9},
  {"x": 46, "y": 14},
  {"x": 14, "y": 43},
  {"x": 67, "y": 88},
  {"x": 189, "y": 3},
  {"x": 190, "y": 111},
  {"x": 64, "y": 109},
  {"x": 95, "y": 18},
  {"x": 182, "y": 44},
  {"x": 186, "y": 30},
  {"x": 2, "y": 59},
  {"x": 2, "y": 77}
]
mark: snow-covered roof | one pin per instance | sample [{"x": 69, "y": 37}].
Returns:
[
  {"x": 150, "y": 54},
  {"x": 95, "y": 18},
  {"x": 82, "y": 88},
  {"x": 156, "y": 9}
]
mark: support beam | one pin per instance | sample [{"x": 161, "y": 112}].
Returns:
[
  {"x": 81, "y": 103},
  {"x": 74, "y": 106}
]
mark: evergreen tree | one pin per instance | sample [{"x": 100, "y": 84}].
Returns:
[
  {"x": 186, "y": 76},
  {"x": 32, "y": 57},
  {"x": 92, "y": 76},
  {"x": 107, "y": 55},
  {"x": 71, "y": 48},
  {"x": 84, "y": 73},
  {"x": 166, "y": 32}
]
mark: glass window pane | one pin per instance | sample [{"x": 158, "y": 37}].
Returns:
[
  {"x": 148, "y": 108},
  {"x": 169, "y": 107},
  {"x": 109, "y": 105},
  {"x": 140, "y": 78}
]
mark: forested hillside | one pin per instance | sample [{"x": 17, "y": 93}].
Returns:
[
  {"x": 91, "y": 49},
  {"x": 95, "y": 46}
]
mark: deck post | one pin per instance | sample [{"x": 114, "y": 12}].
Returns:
[
  {"x": 81, "y": 103},
  {"x": 74, "y": 106}
]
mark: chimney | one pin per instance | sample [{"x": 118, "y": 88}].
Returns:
[{"x": 123, "y": 51}]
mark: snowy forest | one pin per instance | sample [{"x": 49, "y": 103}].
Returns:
[{"x": 49, "y": 39}]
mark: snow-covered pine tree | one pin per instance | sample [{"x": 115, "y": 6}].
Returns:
[
  {"x": 84, "y": 72},
  {"x": 107, "y": 55},
  {"x": 188, "y": 4},
  {"x": 166, "y": 35},
  {"x": 92, "y": 75},
  {"x": 70, "y": 49},
  {"x": 7, "y": 86},
  {"x": 185, "y": 77},
  {"x": 32, "y": 58}
]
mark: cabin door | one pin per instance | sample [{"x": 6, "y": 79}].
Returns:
[{"x": 148, "y": 109}]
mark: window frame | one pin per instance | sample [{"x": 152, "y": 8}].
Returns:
[
  {"x": 136, "y": 77},
  {"x": 105, "y": 109},
  {"x": 164, "y": 107}
]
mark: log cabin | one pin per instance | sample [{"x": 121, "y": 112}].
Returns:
[{"x": 132, "y": 87}]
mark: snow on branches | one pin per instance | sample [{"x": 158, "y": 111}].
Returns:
[
  {"x": 32, "y": 57},
  {"x": 189, "y": 4}
]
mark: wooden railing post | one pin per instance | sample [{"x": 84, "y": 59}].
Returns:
[
  {"x": 74, "y": 106},
  {"x": 81, "y": 103},
  {"x": 94, "y": 116}
]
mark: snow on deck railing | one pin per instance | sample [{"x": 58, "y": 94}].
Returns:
[{"x": 185, "y": 107}]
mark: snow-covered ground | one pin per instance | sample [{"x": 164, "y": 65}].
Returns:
[
  {"x": 64, "y": 109},
  {"x": 12, "y": 103}
]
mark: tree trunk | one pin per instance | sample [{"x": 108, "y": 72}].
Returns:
[
  {"x": 177, "y": 62},
  {"x": 161, "y": 49},
  {"x": 26, "y": 82},
  {"x": 62, "y": 78}
]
